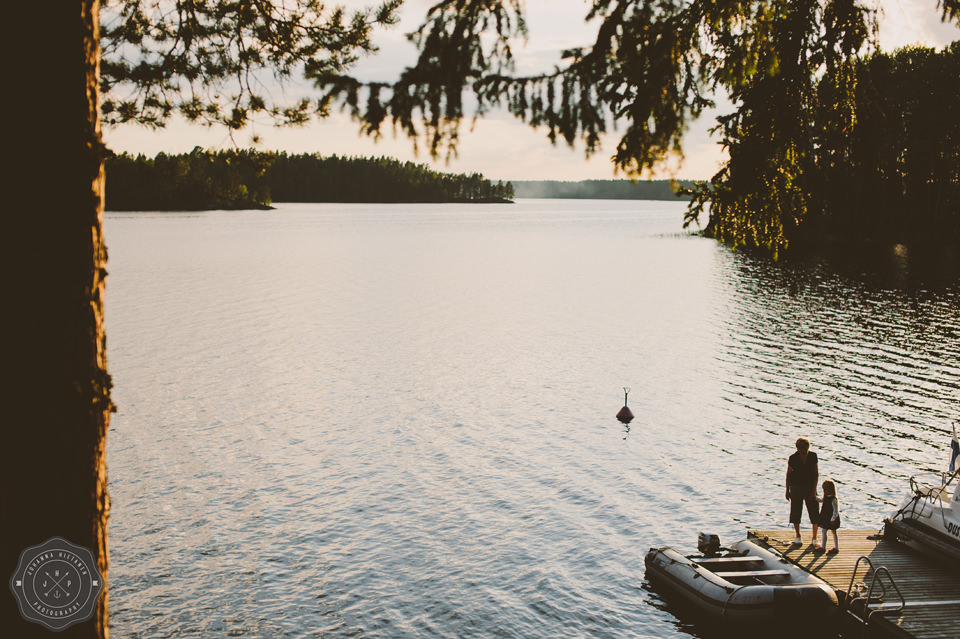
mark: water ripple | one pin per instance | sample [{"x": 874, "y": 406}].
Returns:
[{"x": 382, "y": 421}]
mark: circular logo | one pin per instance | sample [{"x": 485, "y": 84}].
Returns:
[{"x": 57, "y": 583}]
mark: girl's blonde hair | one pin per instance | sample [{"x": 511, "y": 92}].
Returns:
[{"x": 829, "y": 488}]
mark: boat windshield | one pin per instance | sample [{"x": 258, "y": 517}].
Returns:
[
  {"x": 955, "y": 502},
  {"x": 943, "y": 488}
]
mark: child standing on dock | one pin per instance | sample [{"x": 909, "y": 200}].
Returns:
[{"x": 829, "y": 515}]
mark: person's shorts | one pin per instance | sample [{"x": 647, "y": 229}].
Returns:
[{"x": 797, "y": 499}]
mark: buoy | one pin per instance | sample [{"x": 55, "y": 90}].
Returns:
[{"x": 625, "y": 415}]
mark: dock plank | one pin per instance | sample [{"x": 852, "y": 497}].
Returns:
[{"x": 931, "y": 589}]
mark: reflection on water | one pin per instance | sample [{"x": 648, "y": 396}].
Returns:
[
  {"x": 693, "y": 622},
  {"x": 382, "y": 421},
  {"x": 868, "y": 369}
]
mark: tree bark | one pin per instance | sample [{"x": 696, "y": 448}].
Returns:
[{"x": 58, "y": 389}]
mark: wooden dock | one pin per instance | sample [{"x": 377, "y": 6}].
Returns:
[{"x": 913, "y": 596}]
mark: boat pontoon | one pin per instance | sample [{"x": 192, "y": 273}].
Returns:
[{"x": 744, "y": 582}]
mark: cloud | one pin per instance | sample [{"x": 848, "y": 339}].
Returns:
[{"x": 909, "y": 22}]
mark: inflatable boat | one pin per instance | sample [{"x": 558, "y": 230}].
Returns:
[
  {"x": 928, "y": 518},
  {"x": 744, "y": 582}
]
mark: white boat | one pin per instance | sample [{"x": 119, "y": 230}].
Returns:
[
  {"x": 928, "y": 519},
  {"x": 744, "y": 582}
]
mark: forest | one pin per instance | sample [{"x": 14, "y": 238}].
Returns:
[{"x": 233, "y": 179}]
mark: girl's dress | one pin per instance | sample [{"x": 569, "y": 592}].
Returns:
[{"x": 830, "y": 513}]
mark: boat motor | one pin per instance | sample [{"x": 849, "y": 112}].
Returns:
[{"x": 708, "y": 544}]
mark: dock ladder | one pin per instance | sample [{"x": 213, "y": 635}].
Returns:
[{"x": 863, "y": 603}]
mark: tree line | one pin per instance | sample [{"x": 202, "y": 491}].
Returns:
[
  {"x": 315, "y": 178},
  {"x": 233, "y": 179}
]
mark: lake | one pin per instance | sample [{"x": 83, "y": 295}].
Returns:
[{"x": 379, "y": 421}]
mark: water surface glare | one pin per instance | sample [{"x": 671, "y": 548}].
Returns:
[{"x": 398, "y": 420}]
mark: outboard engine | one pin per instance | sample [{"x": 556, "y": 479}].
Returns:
[{"x": 708, "y": 544}]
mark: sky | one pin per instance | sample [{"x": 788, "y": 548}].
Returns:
[{"x": 498, "y": 146}]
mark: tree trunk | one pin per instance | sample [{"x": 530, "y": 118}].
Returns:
[{"x": 57, "y": 395}]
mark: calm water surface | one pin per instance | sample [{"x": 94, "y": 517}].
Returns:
[{"x": 398, "y": 421}]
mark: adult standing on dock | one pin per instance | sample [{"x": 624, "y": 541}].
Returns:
[{"x": 802, "y": 477}]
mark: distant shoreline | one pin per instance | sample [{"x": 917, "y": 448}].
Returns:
[
  {"x": 600, "y": 189},
  {"x": 251, "y": 179}
]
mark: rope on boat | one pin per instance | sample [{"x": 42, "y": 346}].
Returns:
[{"x": 723, "y": 611}]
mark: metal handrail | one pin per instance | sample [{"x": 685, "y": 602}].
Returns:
[
  {"x": 876, "y": 577},
  {"x": 874, "y": 583},
  {"x": 853, "y": 577}
]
